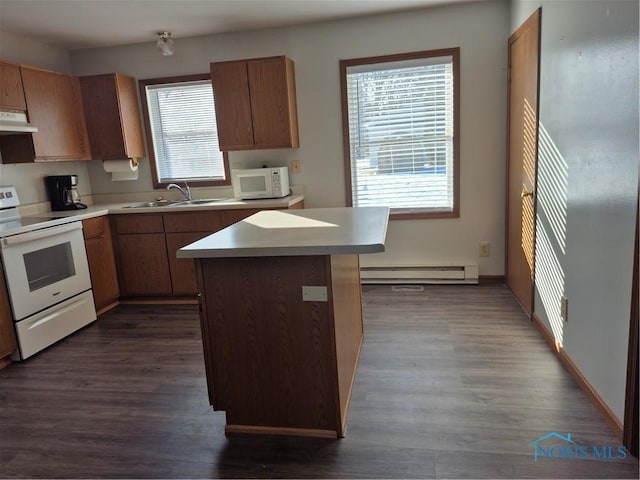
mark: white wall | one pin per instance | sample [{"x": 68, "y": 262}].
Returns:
[
  {"x": 479, "y": 29},
  {"x": 589, "y": 112},
  {"x": 21, "y": 49},
  {"x": 29, "y": 178}
]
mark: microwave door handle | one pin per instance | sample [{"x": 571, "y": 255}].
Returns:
[{"x": 38, "y": 234}]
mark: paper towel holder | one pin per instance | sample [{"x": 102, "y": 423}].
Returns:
[{"x": 124, "y": 169}]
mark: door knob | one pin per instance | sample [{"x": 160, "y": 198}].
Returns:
[{"x": 526, "y": 193}]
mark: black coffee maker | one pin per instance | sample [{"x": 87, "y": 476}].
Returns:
[{"x": 63, "y": 192}]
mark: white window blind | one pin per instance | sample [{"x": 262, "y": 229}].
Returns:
[
  {"x": 401, "y": 134},
  {"x": 185, "y": 138}
]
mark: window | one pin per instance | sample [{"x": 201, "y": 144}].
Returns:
[
  {"x": 182, "y": 137},
  {"x": 400, "y": 120}
]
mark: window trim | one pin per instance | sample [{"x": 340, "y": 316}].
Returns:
[
  {"x": 454, "y": 53},
  {"x": 142, "y": 84}
]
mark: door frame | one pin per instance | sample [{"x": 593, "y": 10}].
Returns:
[
  {"x": 631, "y": 418},
  {"x": 535, "y": 17}
]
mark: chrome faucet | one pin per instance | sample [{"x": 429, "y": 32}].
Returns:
[{"x": 186, "y": 191}]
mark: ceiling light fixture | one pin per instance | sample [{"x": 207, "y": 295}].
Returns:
[{"x": 165, "y": 44}]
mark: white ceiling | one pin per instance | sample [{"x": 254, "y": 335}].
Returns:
[{"x": 76, "y": 24}]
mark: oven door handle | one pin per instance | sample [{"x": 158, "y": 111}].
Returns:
[{"x": 38, "y": 234}]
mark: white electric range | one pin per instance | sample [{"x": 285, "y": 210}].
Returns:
[{"x": 47, "y": 275}]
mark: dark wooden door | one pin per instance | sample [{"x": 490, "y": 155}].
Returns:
[
  {"x": 524, "y": 56},
  {"x": 631, "y": 416}
]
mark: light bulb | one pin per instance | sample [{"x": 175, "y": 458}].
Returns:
[{"x": 165, "y": 44}]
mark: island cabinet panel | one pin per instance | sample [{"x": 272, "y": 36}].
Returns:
[
  {"x": 8, "y": 343},
  {"x": 255, "y": 103},
  {"x": 348, "y": 328},
  {"x": 272, "y": 354},
  {"x": 54, "y": 105},
  {"x": 102, "y": 264},
  {"x": 276, "y": 363},
  {"x": 11, "y": 91},
  {"x": 113, "y": 117}
]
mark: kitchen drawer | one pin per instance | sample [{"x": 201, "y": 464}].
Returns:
[
  {"x": 138, "y": 223},
  {"x": 193, "y": 222}
]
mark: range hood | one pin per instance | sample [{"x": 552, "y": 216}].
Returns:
[{"x": 14, "y": 122}]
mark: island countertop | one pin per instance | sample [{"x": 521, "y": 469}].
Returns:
[{"x": 314, "y": 231}]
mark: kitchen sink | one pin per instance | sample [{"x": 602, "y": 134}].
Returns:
[
  {"x": 204, "y": 201},
  {"x": 175, "y": 203},
  {"x": 155, "y": 203}
]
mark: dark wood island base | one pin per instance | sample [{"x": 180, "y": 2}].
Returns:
[
  {"x": 278, "y": 363},
  {"x": 281, "y": 316}
]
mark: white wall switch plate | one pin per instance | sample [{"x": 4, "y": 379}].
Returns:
[
  {"x": 314, "y": 294},
  {"x": 564, "y": 309}
]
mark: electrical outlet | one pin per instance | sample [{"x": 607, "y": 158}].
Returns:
[
  {"x": 295, "y": 166},
  {"x": 314, "y": 294},
  {"x": 564, "y": 308},
  {"x": 484, "y": 249}
]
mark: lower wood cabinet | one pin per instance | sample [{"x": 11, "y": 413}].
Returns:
[
  {"x": 141, "y": 253},
  {"x": 102, "y": 264},
  {"x": 183, "y": 274},
  {"x": 8, "y": 343},
  {"x": 146, "y": 246}
]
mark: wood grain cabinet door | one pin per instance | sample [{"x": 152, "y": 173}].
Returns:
[
  {"x": 102, "y": 264},
  {"x": 183, "y": 273},
  {"x": 54, "y": 104},
  {"x": 273, "y": 103},
  {"x": 141, "y": 255},
  {"x": 143, "y": 268},
  {"x": 182, "y": 229},
  {"x": 113, "y": 117},
  {"x": 233, "y": 108},
  {"x": 11, "y": 92},
  {"x": 255, "y": 103}
]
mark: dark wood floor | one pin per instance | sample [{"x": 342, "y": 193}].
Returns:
[{"x": 453, "y": 382}]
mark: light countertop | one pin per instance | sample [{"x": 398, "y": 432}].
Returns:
[
  {"x": 51, "y": 219},
  {"x": 314, "y": 231}
]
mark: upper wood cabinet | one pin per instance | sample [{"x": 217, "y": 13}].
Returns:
[
  {"x": 255, "y": 103},
  {"x": 11, "y": 91},
  {"x": 113, "y": 116},
  {"x": 54, "y": 105}
]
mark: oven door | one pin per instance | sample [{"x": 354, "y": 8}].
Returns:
[{"x": 45, "y": 267}]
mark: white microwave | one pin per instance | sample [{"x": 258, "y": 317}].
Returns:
[{"x": 260, "y": 183}]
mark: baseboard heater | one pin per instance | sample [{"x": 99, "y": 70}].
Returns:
[{"x": 466, "y": 274}]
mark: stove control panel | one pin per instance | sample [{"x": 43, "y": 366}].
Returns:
[{"x": 8, "y": 197}]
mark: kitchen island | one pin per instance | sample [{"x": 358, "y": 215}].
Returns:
[{"x": 281, "y": 316}]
